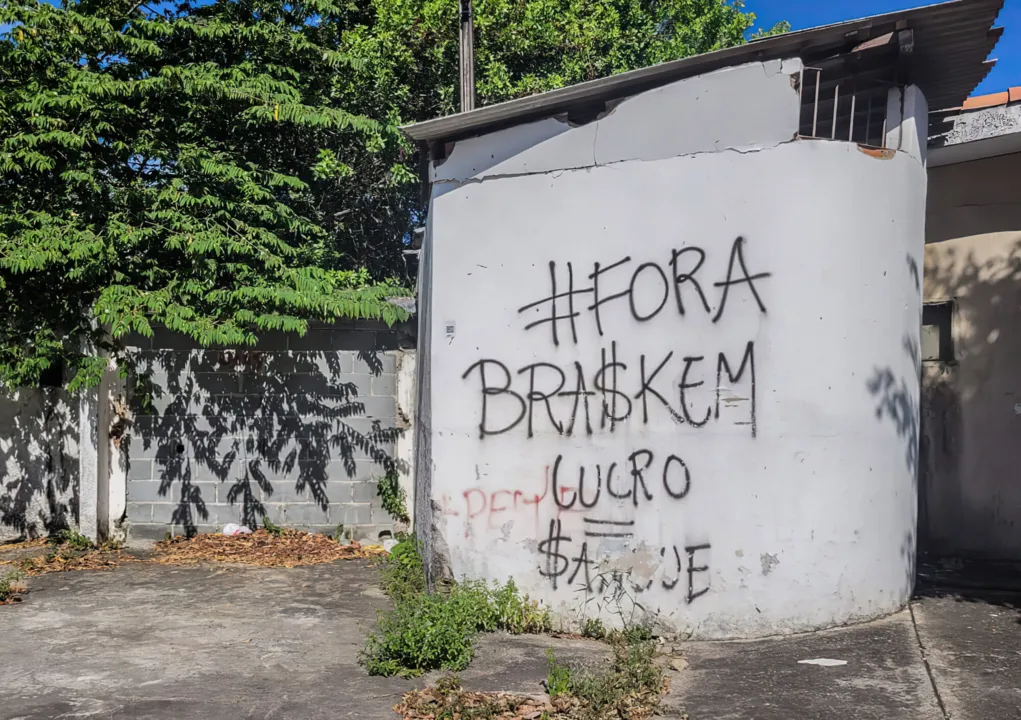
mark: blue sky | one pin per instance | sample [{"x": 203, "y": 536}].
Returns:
[
  {"x": 803, "y": 14},
  {"x": 811, "y": 13}
]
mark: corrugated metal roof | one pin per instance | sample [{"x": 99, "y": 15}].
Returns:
[{"x": 951, "y": 43}]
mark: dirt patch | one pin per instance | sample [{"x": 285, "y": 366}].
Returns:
[
  {"x": 14, "y": 552},
  {"x": 449, "y": 700},
  {"x": 287, "y": 549},
  {"x": 62, "y": 559}
]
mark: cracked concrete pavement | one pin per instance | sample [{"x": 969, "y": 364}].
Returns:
[{"x": 152, "y": 642}]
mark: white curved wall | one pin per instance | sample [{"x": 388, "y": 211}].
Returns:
[{"x": 776, "y": 444}]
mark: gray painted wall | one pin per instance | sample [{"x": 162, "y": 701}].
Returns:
[
  {"x": 38, "y": 463},
  {"x": 298, "y": 429},
  {"x": 971, "y": 405}
]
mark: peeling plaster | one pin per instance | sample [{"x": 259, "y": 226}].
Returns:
[
  {"x": 878, "y": 153},
  {"x": 983, "y": 124}
]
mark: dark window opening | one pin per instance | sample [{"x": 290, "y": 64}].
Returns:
[
  {"x": 53, "y": 376},
  {"x": 937, "y": 335}
]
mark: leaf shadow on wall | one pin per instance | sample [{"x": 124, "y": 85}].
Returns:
[
  {"x": 38, "y": 476},
  {"x": 897, "y": 405},
  {"x": 957, "y": 509},
  {"x": 233, "y": 432},
  {"x": 970, "y": 501}
]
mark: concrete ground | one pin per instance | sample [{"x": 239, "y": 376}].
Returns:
[
  {"x": 152, "y": 642},
  {"x": 942, "y": 658}
]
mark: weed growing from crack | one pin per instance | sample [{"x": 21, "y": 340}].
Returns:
[
  {"x": 428, "y": 631},
  {"x": 392, "y": 496},
  {"x": 271, "y": 527},
  {"x": 559, "y": 678},
  {"x": 629, "y": 687},
  {"x": 403, "y": 571},
  {"x": 593, "y": 628},
  {"x": 10, "y": 586},
  {"x": 71, "y": 540}
]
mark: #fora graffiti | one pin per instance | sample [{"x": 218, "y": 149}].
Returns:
[
  {"x": 649, "y": 274},
  {"x": 632, "y": 387}
]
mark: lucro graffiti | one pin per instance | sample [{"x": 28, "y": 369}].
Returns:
[
  {"x": 676, "y": 481},
  {"x": 608, "y": 386}
]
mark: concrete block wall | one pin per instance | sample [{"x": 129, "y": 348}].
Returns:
[
  {"x": 298, "y": 429},
  {"x": 38, "y": 463}
]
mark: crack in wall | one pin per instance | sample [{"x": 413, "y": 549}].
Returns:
[{"x": 560, "y": 171}]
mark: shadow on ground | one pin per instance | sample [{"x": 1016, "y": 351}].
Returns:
[{"x": 996, "y": 584}]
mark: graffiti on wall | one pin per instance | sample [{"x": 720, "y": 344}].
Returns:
[{"x": 617, "y": 386}]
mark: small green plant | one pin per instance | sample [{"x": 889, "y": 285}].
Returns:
[
  {"x": 392, "y": 496},
  {"x": 637, "y": 633},
  {"x": 271, "y": 527},
  {"x": 429, "y": 631},
  {"x": 67, "y": 543},
  {"x": 72, "y": 540},
  {"x": 425, "y": 632},
  {"x": 558, "y": 677},
  {"x": 518, "y": 614},
  {"x": 593, "y": 628},
  {"x": 9, "y": 587},
  {"x": 449, "y": 684},
  {"x": 403, "y": 571},
  {"x": 630, "y": 686},
  {"x": 338, "y": 534}
]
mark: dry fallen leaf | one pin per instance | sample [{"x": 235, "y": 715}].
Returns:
[
  {"x": 67, "y": 560},
  {"x": 290, "y": 548},
  {"x": 21, "y": 545}
]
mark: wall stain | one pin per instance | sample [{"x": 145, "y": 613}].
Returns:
[{"x": 878, "y": 153}]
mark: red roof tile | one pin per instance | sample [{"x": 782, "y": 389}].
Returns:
[
  {"x": 986, "y": 101},
  {"x": 1005, "y": 97}
]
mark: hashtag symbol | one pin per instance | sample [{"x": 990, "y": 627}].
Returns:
[{"x": 554, "y": 318}]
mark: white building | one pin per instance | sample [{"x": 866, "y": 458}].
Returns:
[{"x": 669, "y": 343}]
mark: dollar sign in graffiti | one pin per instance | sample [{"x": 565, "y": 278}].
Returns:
[{"x": 555, "y": 564}]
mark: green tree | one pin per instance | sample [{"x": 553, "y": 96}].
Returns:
[
  {"x": 168, "y": 169},
  {"x": 779, "y": 29},
  {"x": 407, "y": 71},
  {"x": 229, "y": 166},
  {"x": 531, "y": 46}
]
